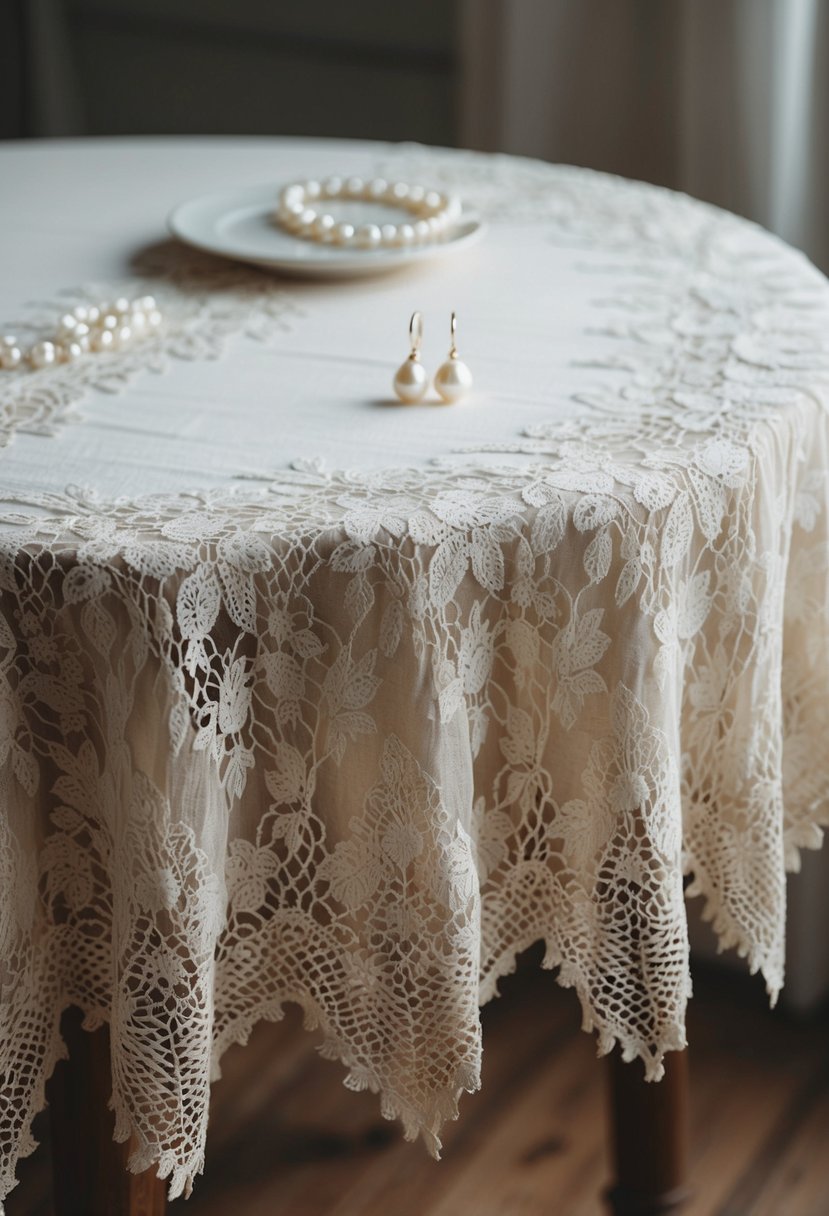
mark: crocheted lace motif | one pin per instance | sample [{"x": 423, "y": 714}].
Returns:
[{"x": 355, "y": 740}]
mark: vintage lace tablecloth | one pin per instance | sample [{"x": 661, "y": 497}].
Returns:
[{"x": 283, "y": 732}]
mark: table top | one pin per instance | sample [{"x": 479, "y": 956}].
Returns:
[
  {"x": 309, "y": 696},
  {"x": 320, "y": 386}
]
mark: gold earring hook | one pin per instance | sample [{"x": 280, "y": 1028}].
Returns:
[
  {"x": 415, "y": 335},
  {"x": 453, "y": 327}
]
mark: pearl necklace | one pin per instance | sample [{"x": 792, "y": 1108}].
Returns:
[
  {"x": 88, "y": 327},
  {"x": 300, "y": 213}
]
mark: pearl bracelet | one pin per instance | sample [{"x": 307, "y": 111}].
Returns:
[
  {"x": 299, "y": 211},
  {"x": 88, "y": 327}
]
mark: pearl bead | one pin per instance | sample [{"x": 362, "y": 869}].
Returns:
[
  {"x": 124, "y": 334},
  {"x": 332, "y": 186},
  {"x": 146, "y": 303},
  {"x": 154, "y": 318},
  {"x": 73, "y": 351},
  {"x": 406, "y": 234},
  {"x": 293, "y": 215},
  {"x": 416, "y": 194},
  {"x": 11, "y": 356},
  {"x": 313, "y": 189},
  {"x": 42, "y": 354},
  {"x": 432, "y": 200},
  {"x": 81, "y": 330},
  {"x": 103, "y": 339},
  {"x": 83, "y": 342},
  {"x": 400, "y": 191},
  {"x": 324, "y": 227},
  {"x": 389, "y": 234},
  {"x": 368, "y": 235},
  {"x": 121, "y": 306},
  {"x": 410, "y": 381},
  {"x": 292, "y": 194},
  {"x": 81, "y": 312},
  {"x": 377, "y": 188},
  {"x": 67, "y": 322},
  {"x": 355, "y": 187},
  {"x": 421, "y": 230},
  {"x": 93, "y": 314},
  {"x": 111, "y": 321},
  {"x": 453, "y": 380},
  {"x": 138, "y": 320},
  {"x": 344, "y": 234}
]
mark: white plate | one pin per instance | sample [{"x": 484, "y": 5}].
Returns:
[{"x": 239, "y": 225}]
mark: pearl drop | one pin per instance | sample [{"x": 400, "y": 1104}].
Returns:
[
  {"x": 453, "y": 380},
  {"x": 410, "y": 381},
  {"x": 368, "y": 235},
  {"x": 42, "y": 354}
]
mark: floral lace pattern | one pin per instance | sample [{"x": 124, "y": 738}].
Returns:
[
  {"x": 204, "y": 304},
  {"x": 355, "y": 740}
]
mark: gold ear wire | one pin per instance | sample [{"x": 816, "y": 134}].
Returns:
[{"x": 453, "y": 378}]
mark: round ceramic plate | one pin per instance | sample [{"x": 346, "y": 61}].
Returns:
[{"x": 240, "y": 226}]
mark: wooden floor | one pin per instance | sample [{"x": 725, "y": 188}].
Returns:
[{"x": 286, "y": 1139}]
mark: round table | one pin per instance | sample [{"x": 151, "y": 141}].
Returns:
[{"x": 309, "y": 696}]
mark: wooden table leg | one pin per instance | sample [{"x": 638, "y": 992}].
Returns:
[
  {"x": 649, "y": 1132},
  {"x": 89, "y": 1169}
]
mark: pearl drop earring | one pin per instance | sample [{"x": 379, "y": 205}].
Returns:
[
  {"x": 410, "y": 380},
  {"x": 453, "y": 379}
]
